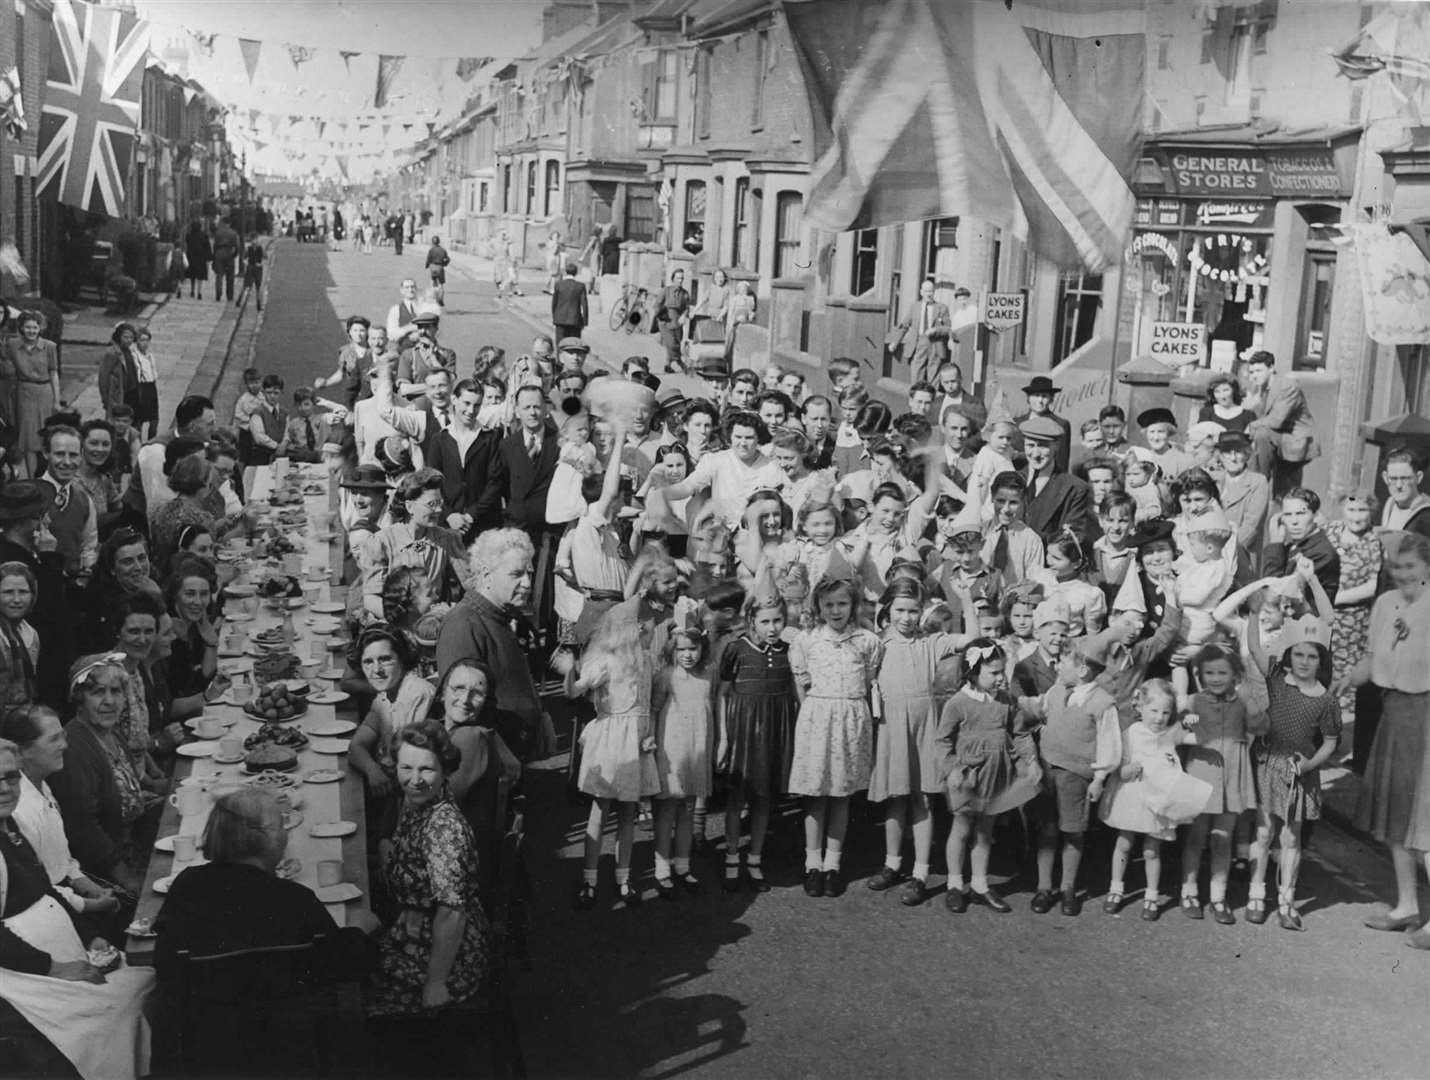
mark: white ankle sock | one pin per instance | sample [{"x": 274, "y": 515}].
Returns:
[
  {"x": 662, "y": 866},
  {"x": 813, "y": 859},
  {"x": 682, "y": 866},
  {"x": 893, "y": 862},
  {"x": 921, "y": 871},
  {"x": 979, "y": 884},
  {"x": 623, "y": 875},
  {"x": 1117, "y": 888},
  {"x": 589, "y": 877},
  {"x": 831, "y": 860},
  {"x": 955, "y": 883}
]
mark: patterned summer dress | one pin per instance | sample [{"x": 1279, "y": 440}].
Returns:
[
  {"x": 684, "y": 731},
  {"x": 434, "y": 861},
  {"x": 834, "y": 735}
]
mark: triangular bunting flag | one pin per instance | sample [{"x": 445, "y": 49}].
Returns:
[
  {"x": 385, "y": 129},
  {"x": 348, "y": 59},
  {"x": 322, "y": 127},
  {"x": 250, "y": 50},
  {"x": 387, "y": 69},
  {"x": 189, "y": 94},
  {"x": 467, "y": 67}
]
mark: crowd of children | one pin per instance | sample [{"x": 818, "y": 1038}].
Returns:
[{"x": 906, "y": 635}]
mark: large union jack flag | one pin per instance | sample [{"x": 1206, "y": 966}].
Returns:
[
  {"x": 91, "y": 108},
  {"x": 1027, "y": 117}
]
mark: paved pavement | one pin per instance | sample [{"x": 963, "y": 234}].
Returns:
[{"x": 779, "y": 985}]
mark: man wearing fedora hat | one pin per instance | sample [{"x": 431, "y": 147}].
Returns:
[
  {"x": 23, "y": 507},
  {"x": 1055, "y": 500},
  {"x": 1040, "y": 392}
]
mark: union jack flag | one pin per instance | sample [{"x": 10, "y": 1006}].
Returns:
[
  {"x": 12, "y": 105},
  {"x": 1029, "y": 118},
  {"x": 91, "y": 109}
]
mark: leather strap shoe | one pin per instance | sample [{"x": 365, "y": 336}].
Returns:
[
  {"x": 885, "y": 879},
  {"x": 1042, "y": 902},
  {"x": 814, "y": 883},
  {"x": 1072, "y": 904},
  {"x": 992, "y": 900},
  {"x": 914, "y": 892},
  {"x": 956, "y": 901},
  {"x": 833, "y": 883}
]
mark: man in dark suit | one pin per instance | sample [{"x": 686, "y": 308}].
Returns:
[
  {"x": 1055, "y": 501},
  {"x": 568, "y": 305},
  {"x": 521, "y": 473},
  {"x": 522, "y": 467},
  {"x": 1040, "y": 392},
  {"x": 465, "y": 455}
]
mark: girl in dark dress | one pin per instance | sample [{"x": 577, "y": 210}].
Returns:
[{"x": 758, "y": 707}]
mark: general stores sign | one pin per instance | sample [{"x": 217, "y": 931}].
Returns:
[{"x": 1214, "y": 172}]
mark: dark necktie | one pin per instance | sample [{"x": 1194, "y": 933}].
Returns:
[
  {"x": 533, "y": 448},
  {"x": 62, "y": 497},
  {"x": 312, "y": 438},
  {"x": 20, "y": 662},
  {"x": 1000, "y": 550}
]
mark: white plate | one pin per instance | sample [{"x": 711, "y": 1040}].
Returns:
[
  {"x": 340, "y": 893},
  {"x": 166, "y": 843},
  {"x": 329, "y": 746},
  {"x": 329, "y": 727},
  {"x": 193, "y": 722},
  {"x": 237, "y": 616},
  {"x": 141, "y": 928},
  {"x": 328, "y": 607},
  {"x": 333, "y": 828},
  {"x": 325, "y": 776},
  {"x": 332, "y": 673},
  {"x": 228, "y": 760},
  {"x": 205, "y": 748},
  {"x": 240, "y": 591}
]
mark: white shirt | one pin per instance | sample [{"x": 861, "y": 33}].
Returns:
[
  {"x": 731, "y": 482},
  {"x": 144, "y": 364},
  {"x": 37, "y": 816},
  {"x": 150, "y": 463}
]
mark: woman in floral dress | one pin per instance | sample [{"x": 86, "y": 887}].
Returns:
[
  {"x": 436, "y": 950},
  {"x": 1361, "y": 556}
]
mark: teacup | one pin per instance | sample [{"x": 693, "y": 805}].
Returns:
[
  {"x": 210, "y": 727},
  {"x": 231, "y": 746},
  {"x": 190, "y": 801}
]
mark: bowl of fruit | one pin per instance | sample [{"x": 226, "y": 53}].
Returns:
[{"x": 276, "y": 703}]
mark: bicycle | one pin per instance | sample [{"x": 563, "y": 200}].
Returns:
[{"x": 630, "y": 311}]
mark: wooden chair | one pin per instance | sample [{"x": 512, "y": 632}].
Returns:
[{"x": 252, "y": 1012}]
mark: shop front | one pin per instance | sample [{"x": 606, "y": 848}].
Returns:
[
  {"x": 1235, "y": 248},
  {"x": 1236, "y": 241}
]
